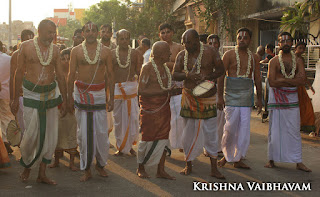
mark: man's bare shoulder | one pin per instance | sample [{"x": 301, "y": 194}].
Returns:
[
  {"x": 14, "y": 55},
  {"x": 105, "y": 50},
  {"x": 147, "y": 66},
  {"x": 274, "y": 60},
  {"x": 26, "y": 43},
  {"x": 76, "y": 49}
]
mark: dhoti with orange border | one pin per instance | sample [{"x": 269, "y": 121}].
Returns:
[
  {"x": 155, "y": 119},
  {"x": 126, "y": 115},
  {"x": 200, "y": 125},
  {"x": 91, "y": 115}
]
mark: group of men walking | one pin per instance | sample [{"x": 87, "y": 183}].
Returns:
[{"x": 98, "y": 80}]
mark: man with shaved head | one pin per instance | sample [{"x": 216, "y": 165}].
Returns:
[
  {"x": 38, "y": 69},
  {"x": 154, "y": 90},
  {"x": 126, "y": 66},
  {"x": 91, "y": 63},
  {"x": 195, "y": 64}
]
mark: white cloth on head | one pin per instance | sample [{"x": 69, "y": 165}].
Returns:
[
  {"x": 126, "y": 115},
  {"x": 95, "y": 143},
  {"x": 284, "y": 138},
  {"x": 151, "y": 159},
  {"x": 4, "y": 75},
  {"x": 146, "y": 56},
  {"x": 236, "y": 135},
  {"x": 199, "y": 133},
  {"x": 175, "y": 135}
]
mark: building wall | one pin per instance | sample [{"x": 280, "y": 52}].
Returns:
[{"x": 79, "y": 13}]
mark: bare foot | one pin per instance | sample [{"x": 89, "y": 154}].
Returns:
[
  {"x": 186, "y": 171},
  {"x": 142, "y": 173},
  {"x": 133, "y": 153},
  {"x": 54, "y": 165},
  {"x": 240, "y": 164},
  {"x": 217, "y": 174},
  {"x": 270, "y": 164},
  {"x": 101, "y": 171},
  {"x": 222, "y": 162},
  {"x": 25, "y": 174},
  {"x": 87, "y": 175},
  {"x": 164, "y": 175},
  {"x": 118, "y": 153},
  {"x": 205, "y": 153},
  {"x": 111, "y": 146},
  {"x": 73, "y": 168},
  {"x": 301, "y": 166},
  {"x": 46, "y": 181},
  {"x": 181, "y": 150}
]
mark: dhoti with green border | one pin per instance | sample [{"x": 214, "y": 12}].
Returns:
[
  {"x": 41, "y": 122},
  {"x": 91, "y": 115}
]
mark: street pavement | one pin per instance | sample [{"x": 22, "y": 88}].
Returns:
[{"x": 123, "y": 181}]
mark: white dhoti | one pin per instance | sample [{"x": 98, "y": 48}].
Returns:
[
  {"x": 199, "y": 133},
  {"x": 199, "y": 125},
  {"x": 5, "y": 117},
  {"x": 284, "y": 139},
  {"x": 236, "y": 134},
  {"x": 175, "y": 135},
  {"x": 41, "y": 123},
  {"x": 126, "y": 115},
  {"x": 91, "y": 115},
  {"x": 20, "y": 116},
  {"x": 150, "y": 152},
  {"x": 236, "y": 137},
  {"x": 220, "y": 122}
]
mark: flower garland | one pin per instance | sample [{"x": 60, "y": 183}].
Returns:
[
  {"x": 238, "y": 62},
  {"x": 294, "y": 65},
  {"x": 42, "y": 62},
  {"x": 198, "y": 61},
  {"x": 86, "y": 56},
  {"x": 128, "y": 57},
  {"x": 158, "y": 75}
]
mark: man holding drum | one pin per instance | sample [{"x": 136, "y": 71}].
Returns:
[
  {"x": 240, "y": 64},
  {"x": 194, "y": 65}
]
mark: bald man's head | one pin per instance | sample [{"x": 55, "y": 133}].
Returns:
[
  {"x": 190, "y": 40},
  {"x": 123, "y": 38},
  {"x": 161, "y": 50}
]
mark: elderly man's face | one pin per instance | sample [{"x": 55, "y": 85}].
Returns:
[
  {"x": 47, "y": 34},
  {"x": 190, "y": 44},
  {"x": 123, "y": 39}
]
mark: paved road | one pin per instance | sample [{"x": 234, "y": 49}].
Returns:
[{"x": 122, "y": 180}]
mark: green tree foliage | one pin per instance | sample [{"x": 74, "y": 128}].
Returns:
[
  {"x": 144, "y": 21},
  {"x": 107, "y": 12},
  {"x": 296, "y": 19},
  {"x": 68, "y": 30},
  {"x": 227, "y": 11}
]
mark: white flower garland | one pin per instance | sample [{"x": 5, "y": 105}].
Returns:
[
  {"x": 238, "y": 62},
  {"x": 159, "y": 77},
  {"x": 294, "y": 65},
  {"x": 42, "y": 62},
  {"x": 128, "y": 58},
  {"x": 198, "y": 61},
  {"x": 85, "y": 52}
]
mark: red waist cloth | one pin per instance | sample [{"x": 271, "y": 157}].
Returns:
[
  {"x": 89, "y": 87},
  {"x": 154, "y": 126}
]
